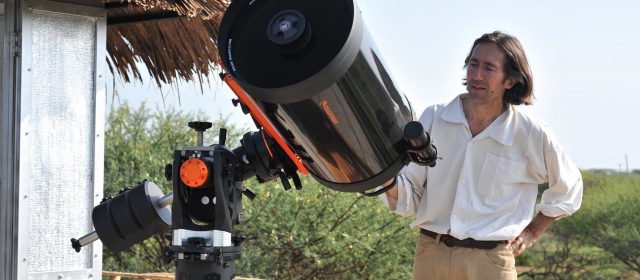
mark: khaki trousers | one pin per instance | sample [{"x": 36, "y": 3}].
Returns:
[{"x": 437, "y": 261}]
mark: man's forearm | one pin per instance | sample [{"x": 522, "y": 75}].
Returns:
[
  {"x": 531, "y": 233},
  {"x": 392, "y": 194},
  {"x": 540, "y": 224}
]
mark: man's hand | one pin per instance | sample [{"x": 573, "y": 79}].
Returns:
[
  {"x": 522, "y": 242},
  {"x": 530, "y": 234},
  {"x": 392, "y": 194}
]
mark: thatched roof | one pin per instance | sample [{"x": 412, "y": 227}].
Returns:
[{"x": 173, "y": 38}]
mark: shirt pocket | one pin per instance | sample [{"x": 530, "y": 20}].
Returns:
[{"x": 500, "y": 176}]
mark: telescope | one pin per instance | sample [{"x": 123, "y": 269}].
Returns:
[{"x": 311, "y": 78}]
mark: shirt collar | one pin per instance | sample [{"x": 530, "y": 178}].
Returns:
[
  {"x": 501, "y": 130},
  {"x": 504, "y": 127},
  {"x": 453, "y": 112}
]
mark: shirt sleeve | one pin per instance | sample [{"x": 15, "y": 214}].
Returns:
[
  {"x": 411, "y": 181},
  {"x": 564, "y": 195}
]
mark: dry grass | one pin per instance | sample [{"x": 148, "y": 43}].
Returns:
[{"x": 180, "y": 48}]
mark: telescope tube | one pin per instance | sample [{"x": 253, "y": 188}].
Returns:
[{"x": 314, "y": 71}]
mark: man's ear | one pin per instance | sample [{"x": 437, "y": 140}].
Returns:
[{"x": 509, "y": 83}]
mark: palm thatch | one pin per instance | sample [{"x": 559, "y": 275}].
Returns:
[{"x": 174, "y": 39}]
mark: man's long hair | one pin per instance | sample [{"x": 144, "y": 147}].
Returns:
[{"x": 516, "y": 66}]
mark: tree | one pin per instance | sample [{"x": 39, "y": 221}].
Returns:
[
  {"x": 317, "y": 233},
  {"x": 601, "y": 240},
  {"x": 609, "y": 219}
]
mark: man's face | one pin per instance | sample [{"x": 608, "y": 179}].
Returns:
[{"x": 485, "y": 74}]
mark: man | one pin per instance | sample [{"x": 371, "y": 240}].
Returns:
[{"x": 475, "y": 207}]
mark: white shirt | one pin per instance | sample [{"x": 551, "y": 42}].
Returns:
[{"x": 485, "y": 187}]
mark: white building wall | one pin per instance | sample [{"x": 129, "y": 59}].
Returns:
[{"x": 60, "y": 96}]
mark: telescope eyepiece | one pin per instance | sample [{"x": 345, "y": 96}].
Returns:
[
  {"x": 415, "y": 135},
  {"x": 419, "y": 147}
]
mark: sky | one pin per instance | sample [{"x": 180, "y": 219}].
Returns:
[{"x": 584, "y": 55}]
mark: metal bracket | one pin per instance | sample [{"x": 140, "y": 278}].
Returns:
[{"x": 16, "y": 44}]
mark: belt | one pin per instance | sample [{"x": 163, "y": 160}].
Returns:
[{"x": 451, "y": 241}]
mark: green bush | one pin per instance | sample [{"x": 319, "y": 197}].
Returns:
[
  {"x": 609, "y": 219},
  {"x": 600, "y": 241},
  {"x": 317, "y": 233}
]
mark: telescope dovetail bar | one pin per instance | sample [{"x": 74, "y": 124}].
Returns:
[{"x": 263, "y": 120}]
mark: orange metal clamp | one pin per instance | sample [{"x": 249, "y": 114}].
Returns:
[{"x": 264, "y": 121}]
